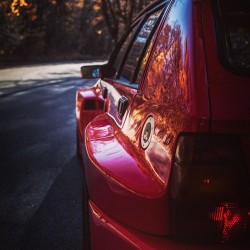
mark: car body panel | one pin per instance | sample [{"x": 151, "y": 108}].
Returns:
[
  {"x": 89, "y": 104},
  {"x": 174, "y": 111},
  {"x": 229, "y": 93},
  {"x": 109, "y": 233},
  {"x": 127, "y": 186},
  {"x": 115, "y": 92},
  {"x": 129, "y": 156}
]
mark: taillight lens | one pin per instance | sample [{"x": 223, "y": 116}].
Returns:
[
  {"x": 209, "y": 167},
  {"x": 217, "y": 149},
  {"x": 232, "y": 222},
  {"x": 209, "y": 173}
]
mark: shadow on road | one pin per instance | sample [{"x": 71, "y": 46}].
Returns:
[
  {"x": 40, "y": 177},
  {"x": 57, "y": 224}
]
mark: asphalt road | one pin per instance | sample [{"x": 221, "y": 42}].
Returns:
[{"x": 40, "y": 175}]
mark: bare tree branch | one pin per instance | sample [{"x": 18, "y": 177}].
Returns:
[{"x": 118, "y": 14}]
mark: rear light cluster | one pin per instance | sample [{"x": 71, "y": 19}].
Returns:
[
  {"x": 210, "y": 189},
  {"x": 232, "y": 222}
]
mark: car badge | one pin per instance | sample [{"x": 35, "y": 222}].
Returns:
[{"x": 147, "y": 132}]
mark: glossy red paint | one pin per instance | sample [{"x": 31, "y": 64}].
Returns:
[
  {"x": 186, "y": 92},
  {"x": 89, "y": 104},
  {"x": 184, "y": 105},
  {"x": 229, "y": 92},
  {"x": 115, "y": 92},
  {"x": 110, "y": 233},
  {"x": 133, "y": 191}
]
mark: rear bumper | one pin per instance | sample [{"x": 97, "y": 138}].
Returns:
[{"x": 107, "y": 233}]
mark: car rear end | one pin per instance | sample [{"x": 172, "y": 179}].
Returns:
[
  {"x": 210, "y": 181},
  {"x": 207, "y": 191}
]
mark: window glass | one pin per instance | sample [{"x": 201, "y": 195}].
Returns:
[
  {"x": 169, "y": 66},
  {"x": 234, "y": 32},
  {"x": 123, "y": 47},
  {"x": 138, "y": 46}
]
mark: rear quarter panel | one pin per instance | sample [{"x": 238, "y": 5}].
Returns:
[{"x": 129, "y": 182}]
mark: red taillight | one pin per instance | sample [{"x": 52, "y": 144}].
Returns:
[
  {"x": 232, "y": 222},
  {"x": 209, "y": 170}
]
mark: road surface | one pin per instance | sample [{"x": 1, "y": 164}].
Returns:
[{"x": 40, "y": 175}]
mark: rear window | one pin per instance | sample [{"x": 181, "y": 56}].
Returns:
[{"x": 233, "y": 33}]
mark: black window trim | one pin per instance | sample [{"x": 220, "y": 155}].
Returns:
[
  {"x": 142, "y": 19},
  {"x": 149, "y": 9},
  {"x": 134, "y": 78},
  {"x": 120, "y": 43}
]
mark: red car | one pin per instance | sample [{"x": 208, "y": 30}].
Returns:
[{"x": 164, "y": 133}]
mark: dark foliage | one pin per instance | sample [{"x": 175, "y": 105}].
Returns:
[{"x": 45, "y": 30}]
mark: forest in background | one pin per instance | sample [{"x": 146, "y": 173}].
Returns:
[{"x": 63, "y": 30}]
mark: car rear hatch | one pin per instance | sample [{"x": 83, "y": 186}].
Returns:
[
  {"x": 227, "y": 48},
  {"x": 228, "y": 64}
]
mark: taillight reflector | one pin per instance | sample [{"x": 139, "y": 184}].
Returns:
[{"x": 232, "y": 221}]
